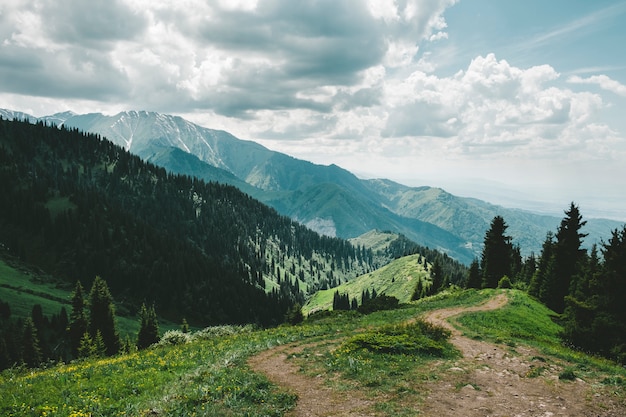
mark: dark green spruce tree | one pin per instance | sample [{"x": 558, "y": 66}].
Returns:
[
  {"x": 474, "y": 279},
  {"x": 341, "y": 301},
  {"x": 78, "y": 318},
  {"x": 102, "y": 316},
  {"x": 418, "y": 292},
  {"x": 614, "y": 276},
  {"x": 566, "y": 261},
  {"x": 31, "y": 352},
  {"x": 497, "y": 253},
  {"x": 148, "y": 327},
  {"x": 613, "y": 290},
  {"x": 541, "y": 271},
  {"x": 595, "y": 312},
  {"x": 583, "y": 304},
  {"x": 437, "y": 278}
]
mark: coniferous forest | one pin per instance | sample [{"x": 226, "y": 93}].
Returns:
[
  {"x": 79, "y": 207},
  {"x": 126, "y": 234},
  {"x": 586, "y": 289}
]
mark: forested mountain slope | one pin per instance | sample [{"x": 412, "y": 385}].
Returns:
[
  {"x": 328, "y": 199},
  {"x": 78, "y": 206}
]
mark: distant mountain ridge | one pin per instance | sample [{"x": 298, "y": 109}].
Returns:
[{"x": 327, "y": 199}]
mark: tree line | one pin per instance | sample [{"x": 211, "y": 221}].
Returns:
[
  {"x": 90, "y": 330},
  {"x": 586, "y": 289}
]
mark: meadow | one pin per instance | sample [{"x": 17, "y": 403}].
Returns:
[
  {"x": 23, "y": 288},
  {"x": 378, "y": 355}
]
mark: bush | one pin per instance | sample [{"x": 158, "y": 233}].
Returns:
[
  {"x": 174, "y": 337},
  {"x": 567, "y": 375},
  {"x": 418, "y": 337},
  {"x": 505, "y": 282},
  {"x": 294, "y": 314},
  {"x": 219, "y": 331}
]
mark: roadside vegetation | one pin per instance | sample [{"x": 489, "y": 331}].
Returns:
[{"x": 205, "y": 373}]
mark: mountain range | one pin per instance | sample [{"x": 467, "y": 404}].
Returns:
[{"x": 327, "y": 199}]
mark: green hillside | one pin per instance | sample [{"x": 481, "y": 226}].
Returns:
[
  {"x": 21, "y": 289},
  {"x": 397, "y": 279},
  {"x": 208, "y": 373},
  {"x": 376, "y": 240},
  {"x": 76, "y": 206}
]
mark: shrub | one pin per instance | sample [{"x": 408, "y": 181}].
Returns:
[
  {"x": 174, "y": 337},
  {"x": 219, "y": 331},
  {"x": 567, "y": 375},
  {"x": 505, "y": 282},
  {"x": 294, "y": 314},
  {"x": 418, "y": 337}
]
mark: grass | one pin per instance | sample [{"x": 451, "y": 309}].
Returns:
[
  {"x": 526, "y": 321},
  {"x": 205, "y": 377},
  {"x": 376, "y": 355},
  {"x": 415, "y": 338},
  {"x": 22, "y": 289},
  {"x": 397, "y": 279},
  {"x": 522, "y": 320}
]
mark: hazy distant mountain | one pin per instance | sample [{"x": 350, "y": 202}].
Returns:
[
  {"x": 469, "y": 218},
  {"x": 328, "y": 199}
]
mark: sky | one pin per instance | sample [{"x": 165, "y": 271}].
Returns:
[{"x": 520, "y": 103}]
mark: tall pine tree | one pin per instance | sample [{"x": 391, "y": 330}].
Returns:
[
  {"x": 497, "y": 253},
  {"x": 473, "y": 277},
  {"x": 78, "y": 318},
  {"x": 595, "y": 312},
  {"x": 566, "y": 260},
  {"x": 437, "y": 278},
  {"x": 611, "y": 316},
  {"x": 148, "y": 327},
  {"x": 102, "y": 316},
  {"x": 31, "y": 352},
  {"x": 536, "y": 282}
]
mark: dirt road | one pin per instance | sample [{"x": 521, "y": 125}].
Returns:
[
  {"x": 495, "y": 380},
  {"x": 489, "y": 380}
]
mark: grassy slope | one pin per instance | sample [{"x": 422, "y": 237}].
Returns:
[
  {"x": 375, "y": 240},
  {"x": 397, "y": 279},
  {"x": 211, "y": 377},
  {"x": 523, "y": 319},
  {"x": 20, "y": 289},
  {"x": 526, "y": 321},
  {"x": 23, "y": 289}
]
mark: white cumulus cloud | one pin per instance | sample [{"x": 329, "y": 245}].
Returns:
[{"x": 602, "y": 81}]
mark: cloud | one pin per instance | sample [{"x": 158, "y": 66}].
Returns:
[
  {"x": 602, "y": 81},
  {"x": 95, "y": 24},
  {"x": 576, "y": 28},
  {"x": 234, "y": 59},
  {"x": 494, "y": 108},
  {"x": 349, "y": 72},
  {"x": 438, "y": 36},
  {"x": 60, "y": 49}
]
